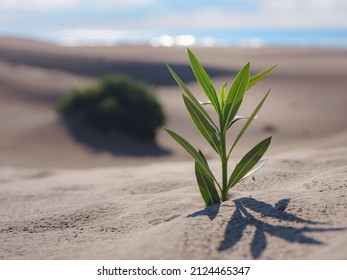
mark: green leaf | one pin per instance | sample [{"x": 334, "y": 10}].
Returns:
[
  {"x": 192, "y": 151},
  {"x": 256, "y": 167},
  {"x": 248, "y": 162},
  {"x": 203, "y": 103},
  {"x": 258, "y": 77},
  {"x": 237, "y": 118},
  {"x": 235, "y": 95},
  {"x": 207, "y": 186},
  {"x": 188, "y": 93},
  {"x": 202, "y": 156},
  {"x": 203, "y": 124},
  {"x": 223, "y": 95},
  {"x": 248, "y": 122},
  {"x": 204, "y": 81}
]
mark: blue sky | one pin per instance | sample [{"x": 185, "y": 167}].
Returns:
[{"x": 54, "y": 17}]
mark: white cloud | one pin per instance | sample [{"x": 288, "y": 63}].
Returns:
[
  {"x": 302, "y": 5},
  {"x": 264, "y": 13},
  {"x": 123, "y": 4},
  {"x": 269, "y": 14},
  {"x": 304, "y": 13},
  {"x": 38, "y": 4}
]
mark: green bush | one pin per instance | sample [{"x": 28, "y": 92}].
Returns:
[{"x": 117, "y": 102}]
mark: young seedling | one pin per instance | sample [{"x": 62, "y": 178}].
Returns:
[{"x": 226, "y": 107}]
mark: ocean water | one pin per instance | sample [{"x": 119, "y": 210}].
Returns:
[{"x": 328, "y": 38}]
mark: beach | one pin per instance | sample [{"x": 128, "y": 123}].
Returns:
[{"x": 73, "y": 193}]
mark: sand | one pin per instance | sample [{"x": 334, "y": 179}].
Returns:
[
  {"x": 75, "y": 194},
  {"x": 294, "y": 209}
]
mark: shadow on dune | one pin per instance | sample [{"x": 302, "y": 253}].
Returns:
[
  {"x": 154, "y": 73},
  {"x": 242, "y": 218},
  {"x": 116, "y": 143}
]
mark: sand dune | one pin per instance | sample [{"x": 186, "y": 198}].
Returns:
[
  {"x": 305, "y": 109},
  {"x": 71, "y": 193}
]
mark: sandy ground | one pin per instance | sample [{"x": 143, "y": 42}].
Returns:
[
  {"x": 296, "y": 208},
  {"x": 72, "y": 193}
]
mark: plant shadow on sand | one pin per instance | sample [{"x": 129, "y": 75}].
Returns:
[{"x": 241, "y": 218}]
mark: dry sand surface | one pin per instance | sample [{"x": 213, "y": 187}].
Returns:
[
  {"x": 72, "y": 193},
  {"x": 295, "y": 209}
]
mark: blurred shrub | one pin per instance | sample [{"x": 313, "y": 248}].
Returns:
[{"x": 117, "y": 102}]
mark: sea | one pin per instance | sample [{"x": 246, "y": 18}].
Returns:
[{"x": 326, "y": 38}]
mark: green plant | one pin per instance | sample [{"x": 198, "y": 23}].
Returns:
[
  {"x": 226, "y": 107},
  {"x": 116, "y": 102}
]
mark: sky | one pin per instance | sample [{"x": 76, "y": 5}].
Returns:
[{"x": 140, "y": 19}]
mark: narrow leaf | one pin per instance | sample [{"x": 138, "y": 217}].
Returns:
[
  {"x": 204, "y": 158},
  {"x": 202, "y": 124},
  {"x": 235, "y": 95},
  {"x": 188, "y": 93},
  {"x": 256, "y": 167},
  {"x": 205, "y": 103},
  {"x": 204, "y": 81},
  {"x": 258, "y": 77},
  {"x": 250, "y": 119},
  {"x": 237, "y": 118},
  {"x": 206, "y": 186},
  {"x": 223, "y": 95},
  {"x": 192, "y": 151},
  {"x": 248, "y": 162}
]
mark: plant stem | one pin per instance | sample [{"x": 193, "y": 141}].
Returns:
[{"x": 224, "y": 161}]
